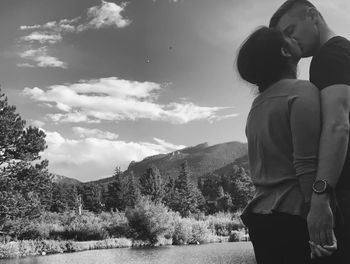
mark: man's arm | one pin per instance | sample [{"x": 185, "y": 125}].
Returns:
[
  {"x": 335, "y": 105},
  {"x": 305, "y": 123}
]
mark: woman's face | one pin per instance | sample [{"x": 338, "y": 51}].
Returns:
[{"x": 293, "y": 48}]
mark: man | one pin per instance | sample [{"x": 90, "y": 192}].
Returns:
[{"x": 330, "y": 72}]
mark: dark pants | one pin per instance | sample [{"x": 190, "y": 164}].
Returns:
[{"x": 279, "y": 238}]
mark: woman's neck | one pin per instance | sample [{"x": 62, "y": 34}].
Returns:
[{"x": 290, "y": 73}]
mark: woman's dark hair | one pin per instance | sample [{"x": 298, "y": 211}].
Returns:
[{"x": 260, "y": 60}]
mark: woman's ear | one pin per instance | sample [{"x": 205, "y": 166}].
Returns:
[{"x": 285, "y": 52}]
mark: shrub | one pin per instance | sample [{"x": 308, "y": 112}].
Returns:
[
  {"x": 223, "y": 223},
  {"x": 149, "y": 220},
  {"x": 84, "y": 228},
  {"x": 191, "y": 231},
  {"x": 182, "y": 231},
  {"x": 200, "y": 232},
  {"x": 115, "y": 223}
]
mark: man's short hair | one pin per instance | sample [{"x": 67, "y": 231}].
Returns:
[{"x": 286, "y": 7}]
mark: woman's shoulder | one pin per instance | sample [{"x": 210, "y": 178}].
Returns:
[{"x": 302, "y": 87}]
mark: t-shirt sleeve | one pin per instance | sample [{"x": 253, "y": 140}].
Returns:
[
  {"x": 332, "y": 66},
  {"x": 305, "y": 122}
]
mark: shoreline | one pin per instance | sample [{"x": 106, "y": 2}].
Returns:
[{"x": 31, "y": 248}]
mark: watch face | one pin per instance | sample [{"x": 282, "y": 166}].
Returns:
[{"x": 320, "y": 186}]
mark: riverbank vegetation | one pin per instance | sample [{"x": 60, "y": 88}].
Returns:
[{"x": 147, "y": 224}]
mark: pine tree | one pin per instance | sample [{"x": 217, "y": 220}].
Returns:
[
  {"x": 132, "y": 193},
  {"x": 187, "y": 197},
  {"x": 169, "y": 192},
  {"x": 92, "y": 198},
  {"x": 151, "y": 184},
  {"x": 25, "y": 183},
  {"x": 114, "y": 196},
  {"x": 64, "y": 198}
]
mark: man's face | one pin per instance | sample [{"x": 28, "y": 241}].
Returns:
[{"x": 302, "y": 28}]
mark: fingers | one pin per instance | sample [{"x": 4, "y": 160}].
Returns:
[
  {"x": 314, "y": 250},
  {"x": 313, "y": 253},
  {"x": 331, "y": 248},
  {"x": 324, "y": 251}
]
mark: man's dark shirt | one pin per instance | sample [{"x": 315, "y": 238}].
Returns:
[{"x": 330, "y": 66}]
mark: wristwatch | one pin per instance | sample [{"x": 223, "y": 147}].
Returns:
[{"x": 321, "y": 186}]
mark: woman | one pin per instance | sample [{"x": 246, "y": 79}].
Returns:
[{"x": 283, "y": 130}]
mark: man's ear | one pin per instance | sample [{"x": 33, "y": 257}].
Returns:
[
  {"x": 285, "y": 52},
  {"x": 312, "y": 13}
]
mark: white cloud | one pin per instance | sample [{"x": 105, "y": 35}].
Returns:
[
  {"x": 106, "y": 15},
  {"x": 187, "y": 111},
  {"x": 91, "y": 158},
  {"x": 42, "y": 59},
  {"x": 114, "y": 99},
  {"x": 43, "y": 37},
  {"x": 93, "y": 132}
]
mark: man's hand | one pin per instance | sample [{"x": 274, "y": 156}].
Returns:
[
  {"x": 319, "y": 251},
  {"x": 320, "y": 221}
]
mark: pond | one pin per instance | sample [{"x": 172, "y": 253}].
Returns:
[{"x": 218, "y": 253}]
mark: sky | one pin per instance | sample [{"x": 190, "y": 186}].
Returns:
[{"x": 112, "y": 82}]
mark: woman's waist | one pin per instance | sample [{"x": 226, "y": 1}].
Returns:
[{"x": 287, "y": 199}]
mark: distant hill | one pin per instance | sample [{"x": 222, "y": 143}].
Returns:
[
  {"x": 201, "y": 159},
  {"x": 65, "y": 180}
]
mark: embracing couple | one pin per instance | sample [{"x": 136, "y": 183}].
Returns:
[{"x": 298, "y": 138}]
